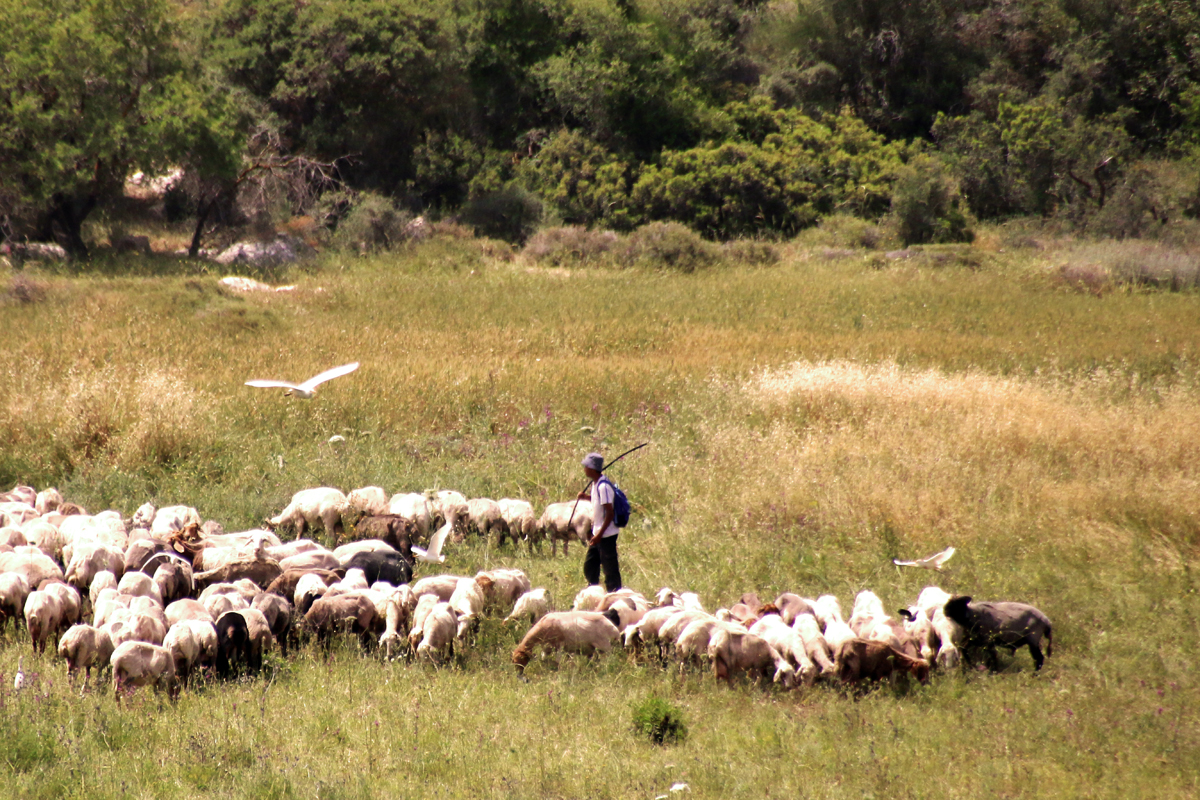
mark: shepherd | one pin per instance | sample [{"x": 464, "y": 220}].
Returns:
[{"x": 602, "y": 546}]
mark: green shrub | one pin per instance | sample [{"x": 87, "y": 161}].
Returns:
[
  {"x": 582, "y": 181},
  {"x": 363, "y": 221},
  {"x": 927, "y": 207},
  {"x": 510, "y": 214},
  {"x": 570, "y": 244},
  {"x": 659, "y": 721},
  {"x": 750, "y": 251},
  {"x": 668, "y": 245}
]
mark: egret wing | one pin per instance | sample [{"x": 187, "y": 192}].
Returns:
[
  {"x": 327, "y": 375},
  {"x": 437, "y": 540},
  {"x": 272, "y": 384}
]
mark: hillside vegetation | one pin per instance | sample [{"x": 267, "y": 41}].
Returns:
[{"x": 1020, "y": 398}]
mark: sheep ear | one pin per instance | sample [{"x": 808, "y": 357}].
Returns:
[{"x": 907, "y": 615}]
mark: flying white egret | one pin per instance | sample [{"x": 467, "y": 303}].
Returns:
[
  {"x": 434, "y": 554},
  {"x": 306, "y": 390},
  {"x": 19, "y": 681},
  {"x": 935, "y": 561}
]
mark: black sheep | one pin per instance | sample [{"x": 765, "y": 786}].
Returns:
[
  {"x": 1011, "y": 625},
  {"x": 233, "y": 642},
  {"x": 393, "y": 568}
]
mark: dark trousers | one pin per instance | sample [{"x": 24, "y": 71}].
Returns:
[{"x": 603, "y": 554}]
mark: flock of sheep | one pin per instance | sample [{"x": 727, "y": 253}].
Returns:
[{"x": 168, "y": 594}]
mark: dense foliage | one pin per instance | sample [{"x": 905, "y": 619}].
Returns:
[{"x": 734, "y": 117}]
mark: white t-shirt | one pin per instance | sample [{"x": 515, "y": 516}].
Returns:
[{"x": 602, "y": 492}]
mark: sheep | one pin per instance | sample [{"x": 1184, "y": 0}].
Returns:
[
  {"x": 381, "y": 566},
  {"x": 777, "y": 633},
  {"x": 449, "y": 506},
  {"x": 668, "y": 633},
  {"x": 558, "y": 525},
  {"x": 144, "y": 516},
  {"x": 347, "y": 551},
  {"x": 791, "y": 606},
  {"x": 233, "y": 642},
  {"x": 869, "y": 621},
  {"x": 279, "y": 617},
  {"x": 624, "y": 596},
  {"x": 220, "y": 604},
  {"x": 140, "y": 628},
  {"x": 438, "y": 632},
  {"x": 815, "y": 644},
  {"x": 14, "y": 590},
  {"x": 624, "y": 613},
  {"x": 688, "y": 601},
  {"x": 485, "y": 517},
  {"x": 187, "y": 609},
  {"x": 310, "y": 507},
  {"x": 137, "y": 664},
  {"x": 535, "y": 604},
  {"x": 732, "y": 652},
  {"x": 17, "y": 513},
  {"x": 293, "y": 548},
  {"x": 173, "y": 579},
  {"x": 44, "y": 536},
  {"x": 1007, "y": 624},
  {"x": 521, "y": 521},
  {"x": 367, "y": 501},
  {"x": 43, "y": 618},
  {"x": 355, "y": 579},
  {"x": 12, "y": 537},
  {"x": 244, "y": 587},
  {"x": 441, "y": 585},
  {"x": 68, "y": 598},
  {"x": 84, "y": 646},
  {"x": 92, "y": 556},
  {"x": 467, "y": 601},
  {"x": 393, "y": 530},
  {"x": 108, "y": 601},
  {"x": 309, "y": 587},
  {"x": 261, "y": 639},
  {"x": 397, "y": 618},
  {"x": 19, "y": 494},
  {"x": 32, "y": 564},
  {"x": 927, "y": 623},
  {"x": 826, "y": 608},
  {"x": 285, "y": 585},
  {"x": 173, "y": 518},
  {"x": 185, "y": 648},
  {"x": 140, "y": 551},
  {"x": 589, "y": 598},
  {"x": 691, "y": 645},
  {"x": 837, "y": 633},
  {"x": 501, "y": 587},
  {"x": 584, "y": 632},
  {"x": 311, "y": 560},
  {"x": 416, "y": 510},
  {"x": 47, "y": 500},
  {"x": 647, "y": 630},
  {"x": 101, "y": 581},
  {"x": 424, "y": 604},
  {"x": 859, "y": 659},
  {"x": 868, "y": 608},
  {"x": 329, "y": 615},
  {"x": 139, "y": 584}
]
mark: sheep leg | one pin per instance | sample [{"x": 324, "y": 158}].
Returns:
[{"x": 1036, "y": 652}]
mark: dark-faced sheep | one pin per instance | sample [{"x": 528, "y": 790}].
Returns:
[
  {"x": 988, "y": 625},
  {"x": 859, "y": 660}
]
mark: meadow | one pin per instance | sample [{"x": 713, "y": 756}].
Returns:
[{"x": 809, "y": 421}]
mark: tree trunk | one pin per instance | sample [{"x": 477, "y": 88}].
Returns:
[
  {"x": 203, "y": 209},
  {"x": 68, "y": 214}
]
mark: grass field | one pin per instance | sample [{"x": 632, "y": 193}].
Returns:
[{"x": 809, "y": 422}]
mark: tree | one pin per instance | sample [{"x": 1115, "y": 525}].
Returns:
[{"x": 90, "y": 91}]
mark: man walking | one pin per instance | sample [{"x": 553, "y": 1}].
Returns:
[{"x": 602, "y": 546}]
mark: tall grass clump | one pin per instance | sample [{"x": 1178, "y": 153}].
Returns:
[
  {"x": 1137, "y": 263},
  {"x": 659, "y": 721}
]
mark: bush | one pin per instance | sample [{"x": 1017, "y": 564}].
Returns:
[
  {"x": 570, "y": 244},
  {"x": 26, "y": 290},
  {"x": 667, "y": 245},
  {"x": 510, "y": 214},
  {"x": 1134, "y": 262},
  {"x": 750, "y": 251},
  {"x": 846, "y": 230},
  {"x": 364, "y": 221},
  {"x": 927, "y": 207},
  {"x": 659, "y": 721}
]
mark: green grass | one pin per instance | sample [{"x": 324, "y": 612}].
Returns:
[{"x": 810, "y": 421}]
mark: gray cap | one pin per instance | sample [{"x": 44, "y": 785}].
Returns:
[{"x": 594, "y": 461}]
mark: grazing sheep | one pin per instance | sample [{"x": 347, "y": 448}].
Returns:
[
  {"x": 218, "y": 605},
  {"x": 185, "y": 648},
  {"x": 381, "y": 566},
  {"x": 261, "y": 639},
  {"x": 868, "y": 609},
  {"x": 329, "y": 615},
  {"x": 589, "y": 598},
  {"x": 467, "y": 601},
  {"x": 732, "y": 652},
  {"x": 90, "y": 557},
  {"x": 393, "y": 530},
  {"x": 625, "y": 612},
  {"x": 286, "y": 584},
  {"x": 624, "y": 596},
  {"x": 449, "y": 506},
  {"x": 535, "y": 604},
  {"x": 233, "y": 642},
  {"x": 347, "y": 551},
  {"x": 416, "y": 510},
  {"x": 788, "y": 643},
  {"x": 668, "y": 633},
  {"x": 137, "y": 664},
  {"x": 691, "y": 645},
  {"x": 310, "y": 507},
  {"x": 1005, "y": 624},
  {"x": 859, "y": 659},
  {"x": 309, "y": 587},
  {"x": 826, "y": 608},
  {"x": 646, "y": 632},
  {"x": 45, "y": 537},
  {"x": 927, "y": 624},
  {"x": 485, "y": 517},
  {"x": 102, "y": 580},
  {"x": 68, "y": 598},
  {"x": 501, "y": 587},
  {"x": 32, "y": 564},
  {"x": 173, "y": 578},
  {"x": 187, "y": 609},
  {"x": 438, "y": 632},
  {"x": 311, "y": 561},
  {"x": 424, "y": 605},
  {"x": 521, "y": 520},
  {"x": 397, "y": 618},
  {"x": 815, "y": 646},
  {"x": 368, "y": 501},
  {"x": 140, "y": 628},
  {"x": 869, "y": 621},
  {"x": 170, "y": 519},
  {"x": 47, "y": 500},
  {"x": 139, "y": 584},
  {"x": 558, "y": 525},
  {"x": 12, "y": 537},
  {"x": 441, "y": 585},
  {"x": 293, "y": 548},
  {"x": 791, "y": 606},
  {"x": 279, "y": 617},
  {"x": 43, "y": 618},
  {"x": 84, "y": 646},
  {"x": 837, "y": 633},
  {"x": 14, "y": 590},
  {"x": 584, "y": 632}
]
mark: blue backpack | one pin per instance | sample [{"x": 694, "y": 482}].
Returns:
[{"x": 620, "y": 504}]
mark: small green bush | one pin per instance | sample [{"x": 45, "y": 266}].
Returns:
[
  {"x": 659, "y": 721},
  {"x": 668, "y": 245},
  {"x": 927, "y": 207},
  {"x": 570, "y": 244},
  {"x": 510, "y": 214},
  {"x": 363, "y": 221}
]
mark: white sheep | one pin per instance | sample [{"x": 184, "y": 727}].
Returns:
[
  {"x": 396, "y": 619},
  {"x": 449, "y": 506},
  {"x": 938, "y": 636},
  {"x": 47, "y": 500},
  {"x": 788, "y": 643},
  {"x": 185, "y": 648},
  {"x": 68, "y": 598},
  {"x": 584, "y": 632},
  {"x": 187, "y": 609},
  {"x": 485, "y": 517},
  {"x": 558, "y": 524},
  {"x": 438, "y": 632},
  {"x": 173, "y": 518},
  {"x": 691, "y": 645},
  {"x": 84, "y": 646},
  {"x": 308, "y": 589},
  {"x": 100, "y": 581},
  {"x": 369, "y": 501},
  {"x": 139, "y": 584},
  {"x": 467, "y": 601},
  {"x": 416, "y": 510},
  {"x": 89, "y": 557},
  {"x": 261, "y": 637},
  {"x": 424, "y": 605},
  {"x": 815, "y": 646},
  {"x": 294, "y": 548},
  {"x": 46, "y": 537},
  {"x": 137, "y": 664},
  {"x": 311, "y": 560},
  {"x": 732, "y": 652},
  {"x": 534, "y": 604},
  {"x": 589, "y": 598},
  {"x": 43, "y": 618},
  {"x": 521, "y": 520},
  {"x": 32, "y": 564},
  {"x": 12, "y": 537},
  {"x": 441, "y": 585},
  {"x": 646, "y": 631},
  {"x": 501, "y": 587},
  {"x": 310, "y": 507},
  {"x": 14, "y": 590}
]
